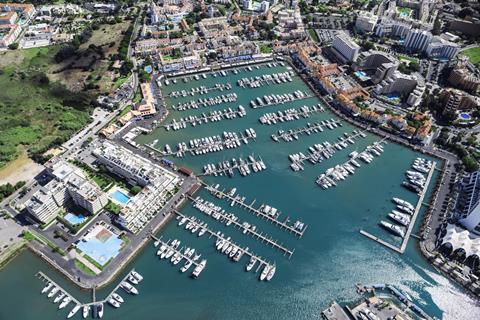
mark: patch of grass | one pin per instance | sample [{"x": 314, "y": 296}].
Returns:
[
  {"x": 84, "y": 268},
  {"x": 95, "y": 263},
  {"x": 36, "y": 113},
  {"x": 265, "y": 48},
  {"x": 473, "y": 55},
  {"x": 27, "y": 235},
  {"x": 313, "y": 35}
]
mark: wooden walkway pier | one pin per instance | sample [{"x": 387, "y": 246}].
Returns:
[
  {"x": 219, "y": 235},
  {"x": 249, "y": 207},
  {"x": 264, "y": 238}
]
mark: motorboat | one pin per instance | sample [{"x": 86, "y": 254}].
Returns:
[
  {"x": 251, "y": 263},
  {"x": 198, "y": 269},
  {"x": 128, "y": 287},
  {"x": 265, "y": 271},
  {"x": 186, "y": 266},
  {"x": 85, "y": 311},
  {"x": 47, "y": 287},
  {"x": 393, "y": 228},
  {"x": 73, "y": 311},
  {"x": 117, "y": 297},
  {"x": 403, "y": 219},
  {"x": 114, "y": 303},
  {"x": 53, "y": 292},
  {"x": 64, "y": 303},
  {"x": 59, "y": 297},
  {"x": 271, "y": 272},
  {"x": 100, "y": 310},
  {"x": 132, "y": 279},
  {"x": 136, "y": 275}
]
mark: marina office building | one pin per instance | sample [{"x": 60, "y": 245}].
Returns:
[{"x": 69, "y": 185}]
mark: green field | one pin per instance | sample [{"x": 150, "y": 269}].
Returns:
[
  {"x": 36, "y": 112},
  {"x": 473, "y": 54}
]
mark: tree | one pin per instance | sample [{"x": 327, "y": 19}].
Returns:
[{"x": 13, "y": 46}]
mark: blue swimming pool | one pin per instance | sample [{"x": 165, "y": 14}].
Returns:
[
  {"x": 465, "y": 116},
  {"x": 120, "y": 197},
  {"x": 74, "y": 219},
  {"x": 148, "y": 69}
]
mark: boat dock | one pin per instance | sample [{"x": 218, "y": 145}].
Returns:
[
  {"x": 249, "y": 207},
  {"x": 327, "y": 149},
  {"x": 226, "y": 168},
  {"x": 218, "y": 235},
  {"x": 44, "y": 278},
  {"x": 175, "y": 250},
  {"x": 280, "y": 101},
  {"x": 201, "y": 90},
  {"x": 287, "y": 136},
  {"x": 290, "y": 114},
  {"x": 213, "y": 116},
  {"x": 403, "y": 246},
  {"x": 264, "y": 238}
]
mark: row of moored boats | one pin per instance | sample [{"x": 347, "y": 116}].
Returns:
[
  {"x": 172, "y": 251},
  {"x": 266, "y": 79},
  {"x": 201, "y": 90},
  {"x": 310, "y": 128},
  {"x": 275, "y": 99},
  {"x": 206, "y": 102},
  {"x": 290, "y": 114},
  {"x": 212, "y": 116},
  {"x": 244, "y": 166},
  {"x": 401, "y": 215},
  {"x": 415, "y": 178}
]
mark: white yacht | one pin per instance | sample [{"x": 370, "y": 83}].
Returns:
[
  {"x": 198, "y": 269},
  {"x": 53, "y": 292},
  {"x": 117, "y": 297},
  {"x": 132, "y": 279},
  {"x": 128, "y": 287},
  {"x": 251, "y": 263},
  {"x": 85, "y": 311},
  {"x": 64, "y": 303},
  {"x": 271, "y": 272},
  {"x": 186, "y": 266},
  {"x": 114, "y": 303},
  {"x": 47, "y": 287},
  {"x": 403, "y": 219},
  {"x": 100, "y": 310},
  {"x": 136, "y": 275},
  {"x": 265, "y": 271},
  {"x": 59, "y": 297},
  {"x": 393, "y": 228},
  {"x": 73, "y": 311}
]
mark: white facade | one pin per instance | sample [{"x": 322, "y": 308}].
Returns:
[
  {"x": 417, "y": 40},
  {"x": 345, "y": 46},
  {"x": 440, "y": 48},
  {"x": 366, "y": 21}
]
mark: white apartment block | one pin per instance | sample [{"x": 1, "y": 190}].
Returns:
[
  {"x": 346, "y": 47},
  {"x": 417, "y": 40},
  {"x": 366, "y": 21},
  {"x": 442, "y": 49}
]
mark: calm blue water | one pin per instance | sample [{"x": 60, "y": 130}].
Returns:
[
  {"x": 120, "y": 196},
  {"x": 327, "y": 262},
  {"x": 74, "y": 218}
]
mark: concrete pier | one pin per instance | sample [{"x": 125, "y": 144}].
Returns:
[{"x": 289, "y": 134}]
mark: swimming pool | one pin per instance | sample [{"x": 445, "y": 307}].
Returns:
[
  {"x": 465, "y": 116},
  {"x": 120, "y": 197},
  {"x": 148, "y": 69},
  {"x": 74, "y": 219}
]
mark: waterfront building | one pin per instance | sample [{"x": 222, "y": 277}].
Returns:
[
  {"x": 345, "y": 48},
  {"x": 442, "y": 49},
  {"x": 69, "y": 184},
  {"x": 366, "y": 21},
  {"x": 147, "y": 106},
  {"x": 417, "y": 40},
  {"x": 458, "y": 238},
  {"x": 467, "y": 208},
  {"x": 380, "y": 64},
  {"x": 410, "y": 86},
  {"x": 158, "y": 183}
]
